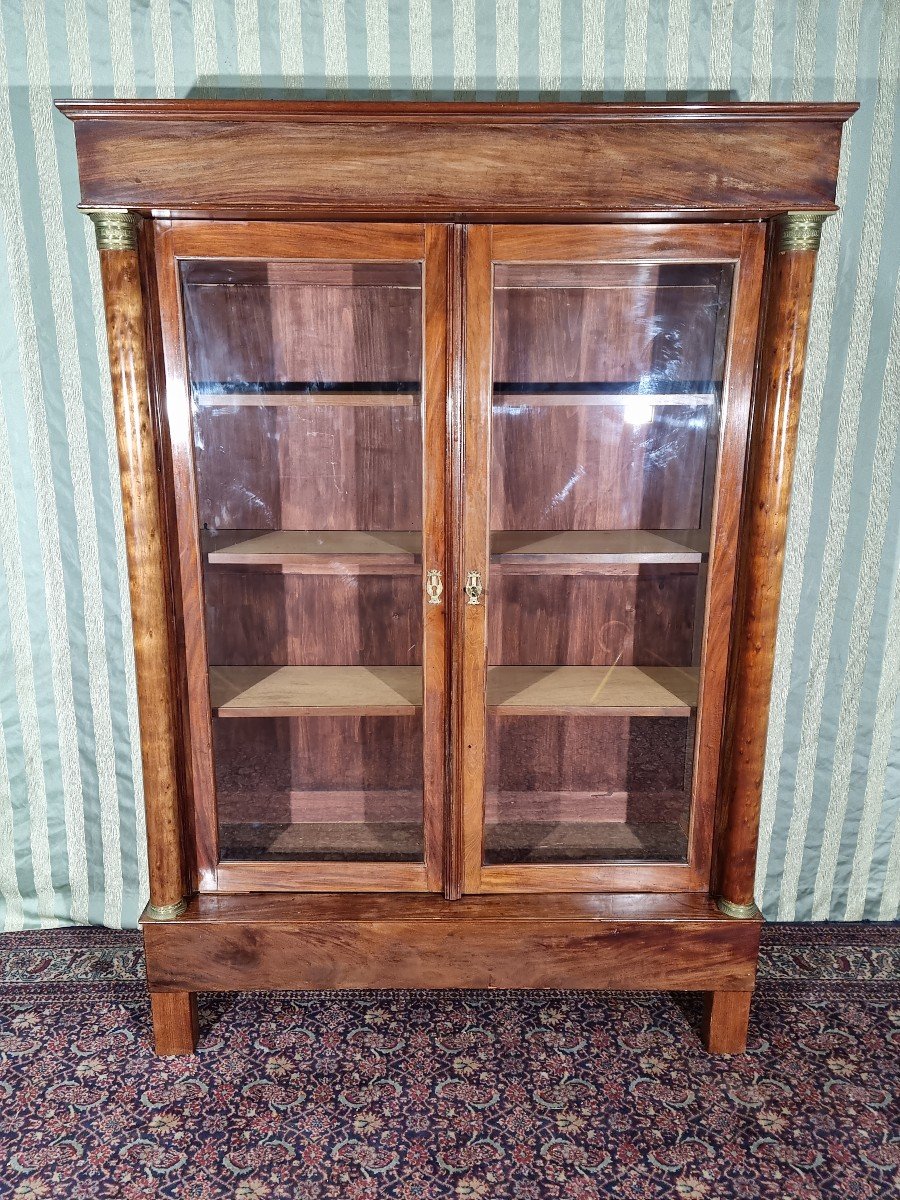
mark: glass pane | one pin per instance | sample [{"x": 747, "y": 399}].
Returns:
[
  {"x": 607, "y": 397},
  {"x": 306, "y": 401}
]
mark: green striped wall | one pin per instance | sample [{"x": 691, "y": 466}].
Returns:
[{"x": 71, "y": 830}]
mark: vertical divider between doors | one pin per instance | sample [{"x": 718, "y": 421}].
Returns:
[
  {"x": 454, "y": 483},
  {"x": 477, "y": 374}
]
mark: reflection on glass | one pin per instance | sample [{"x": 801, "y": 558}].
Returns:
[
  {"x": 305, "y": 381},
  {"x": 607, "y": 397}
]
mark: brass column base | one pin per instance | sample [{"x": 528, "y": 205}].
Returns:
[
  {"x": 741, "y": 912},
  {"x": 165, "y": 912}
]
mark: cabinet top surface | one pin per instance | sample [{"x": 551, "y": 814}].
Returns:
[
  {"x": 451, "y": 161},
  {"x": 445, "y": 111}
]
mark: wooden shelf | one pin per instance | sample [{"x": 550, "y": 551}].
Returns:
[
  {"x": 541, "y": 548},
  {"x": 322, "y": 841},
  {"x": 566, "y": 806},
  {"x": 318, "y": 552},
  {"x": 580, "y": 399},
  {"x": 314, "y": 691},
  {"x": 593, "y": 691},
  {"x": 337, "y": 551},
  {"x": 348, "y": 399},
  {"x": 583, "y": 842}
]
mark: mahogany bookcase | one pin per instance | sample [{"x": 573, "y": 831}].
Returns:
[{"x": 456, "y": 446}]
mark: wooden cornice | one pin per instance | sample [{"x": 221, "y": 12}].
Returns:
[{"x": 447, "y": 161}]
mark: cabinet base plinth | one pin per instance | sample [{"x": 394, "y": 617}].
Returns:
[{"x": 276, "y": 941}]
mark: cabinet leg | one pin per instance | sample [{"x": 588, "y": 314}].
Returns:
[
  {"x": 175, "y": 1028},
  {"x": 725, "y": 1019}
]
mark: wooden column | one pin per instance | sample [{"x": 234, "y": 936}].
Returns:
[
  {"x": 116, "y": 231},
  {"x": 774, "y": 438}
]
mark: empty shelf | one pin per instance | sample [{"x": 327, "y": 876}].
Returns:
[
  {"x": 587, "y": 546},
  {"x": 637, "y": 400},
  {"x": 586, "y": 691},
  {"x": 585, "y": 842},
  {"x": 348, "y": 399},
  {"x": 371, "y": 841},
  {"x": 317, "y": 551},
  {"x": 311, "y": 691}
]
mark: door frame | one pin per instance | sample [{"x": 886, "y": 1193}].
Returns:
[
  {"x": 358, "y": 242},
  {"x": 743, "y": 245}
]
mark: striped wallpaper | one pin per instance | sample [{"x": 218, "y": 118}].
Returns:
[{"x": 71, "y": 828}]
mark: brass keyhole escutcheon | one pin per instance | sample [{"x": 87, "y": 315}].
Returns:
[
  {"x": 434, "y": 586},
  {"x": 473, "y": 588}
]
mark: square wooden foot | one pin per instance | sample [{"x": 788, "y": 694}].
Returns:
[
  {"x": 725, "y": 1020},
  {"x": 175, "y": 1028}
]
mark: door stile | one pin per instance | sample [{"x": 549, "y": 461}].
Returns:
[
  {"x": 455, "y": 489},
  {"x": 202, "y": 812},
  {"x": 156, "y": 376},
  {"x": 475, "y": 549},
  {"x": 434, "y": 551},
  {"x": 740, "y": 361}
]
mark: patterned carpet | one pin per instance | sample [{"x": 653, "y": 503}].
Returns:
[{"x": 417, "y": 1095}]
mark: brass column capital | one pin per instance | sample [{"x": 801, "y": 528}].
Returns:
[
  {"x": 797, "y": 231},
  {"x": 116, "y": 228}
]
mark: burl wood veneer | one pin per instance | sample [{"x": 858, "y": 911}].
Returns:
[{"x": 456, "y": 446}]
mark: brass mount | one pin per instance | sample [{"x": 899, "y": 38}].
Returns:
[
  {"x": 742, "y": 912},
  {"x": 165, "y": 912},
  {"x": 798, "y": 231},
  {"x": 115, "y": 228}
]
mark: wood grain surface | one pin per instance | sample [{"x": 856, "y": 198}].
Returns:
[
  {"x": 259, "y": 617},
  {"x": 762, "y": 541},
  {"x": 542, "y": 548},
  {"x": 284, "y": 691},
  {"x": 148, "y": 578},
  {"x": 676, "y": 942},
  {"x": 175, "y": 1025},
  {"x": 583, "y": 467},
  {"x": 317, "y": 550},
  {"x": 641, "y": 617},
  {"x": 602, "y": 752},
  {"x": 273, "y": 399},
  {"x": 638, "y": 691},
  {"x": 446, "y": 161},
  {"x": 725, "y": 1019}
]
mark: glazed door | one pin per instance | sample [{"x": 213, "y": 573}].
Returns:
[
  {"x": 608, "y": 384},
  {"x": 305, "y": 400}
]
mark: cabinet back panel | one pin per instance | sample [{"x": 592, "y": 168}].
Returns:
[
  {"x": 587, "y": 754},
  {"x": 229, "y": 333},
  {"x": 320, "y": 788},
  {"x": 311, "y": 467},
  {"x": 589, "y": 467},
  {"x": 264, "y": 618},
  {"x": 242, "y": 332},
  {"x": 642, "y": 619},
  {"x": 649, "y": 330},
  {"x": 573, "y": 788},
  {"x": 318, "y": 753}
]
